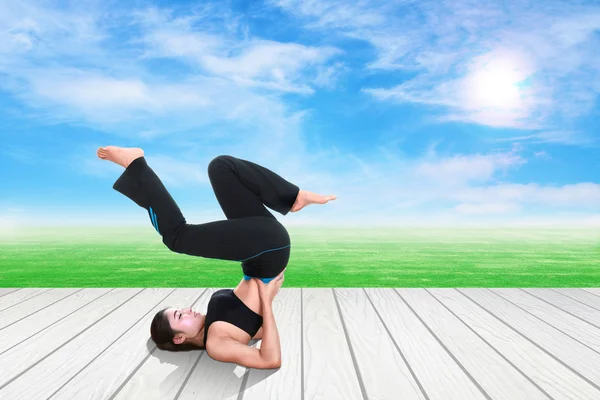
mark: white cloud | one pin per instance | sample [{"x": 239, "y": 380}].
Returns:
[
  {"x": 90, "y": 92},
  {"x": 269, "y": 61},
  {"x": 570, "y": 196},
  {"x": 543, "y": 155},
  {"x": 339, "y": 14},
  {"x": 69, "y": 70},
  {"x": 396, "y": 190},
  {"x": 487, "y": 208},
  {"x": 103, "y": 99},
  {"x": 550, "y": 66},
  {"x": 253, "y": 62},
  {"x": 565, "y": 137},
  {"x": 41, "y": 32},
  {"x": 148, "y": 109},
  {"x": 461, "y": 169},
  {"x": 381, "y": 189}
]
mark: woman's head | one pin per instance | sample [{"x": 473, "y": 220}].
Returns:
[{"x": 178, "y": 329}]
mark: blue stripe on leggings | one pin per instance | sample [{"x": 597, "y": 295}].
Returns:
[
  {"x": 265, "y": 280},
  {"x": 156, "y": 222},
  {"x": 279, "y": 248},
  {"x": 153, "y": 218}
]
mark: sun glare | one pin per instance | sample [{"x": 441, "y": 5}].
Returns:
[{"x": 496, "y": 85}]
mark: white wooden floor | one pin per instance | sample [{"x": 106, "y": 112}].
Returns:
[{"x": 336, "y": 344}]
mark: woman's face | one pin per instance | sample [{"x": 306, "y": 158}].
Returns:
[{"x": 185, "y": 320}]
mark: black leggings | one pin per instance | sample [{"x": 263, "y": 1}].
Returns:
[{"x": 250, "y": 235}]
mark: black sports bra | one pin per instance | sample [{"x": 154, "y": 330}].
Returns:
[{"x": 224, "y": 305}]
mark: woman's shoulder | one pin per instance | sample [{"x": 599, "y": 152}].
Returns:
[
  {"x": 217, "y": 296},
  {"x": 221, "y": 291}
]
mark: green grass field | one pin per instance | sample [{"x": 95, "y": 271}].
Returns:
[{"x": 373, "y": 257}]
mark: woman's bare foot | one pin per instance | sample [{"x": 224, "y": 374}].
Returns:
[
  {"x": 120, "y": 155},
  {"x": 305, "y": 198}
]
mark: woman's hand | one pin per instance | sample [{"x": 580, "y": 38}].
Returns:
[{"x": 268, "y": 291}]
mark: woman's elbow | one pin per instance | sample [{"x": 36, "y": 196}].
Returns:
[{"x": 274, "y": 364}]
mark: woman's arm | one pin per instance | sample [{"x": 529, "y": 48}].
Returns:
[
  {"x": 228, "y": 350},
  {"x": 270, "y": 347}
]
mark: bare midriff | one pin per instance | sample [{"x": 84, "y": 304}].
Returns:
[{"x": 247, "y": 292}]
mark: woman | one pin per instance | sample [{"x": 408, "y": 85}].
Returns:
[{"x": 250, "y": 235}]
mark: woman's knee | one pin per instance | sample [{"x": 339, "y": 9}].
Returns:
[
  {"x": 169, "y": 241},
  {"x": 175, "y": 239},
  {"x": 218, "y": 160}
]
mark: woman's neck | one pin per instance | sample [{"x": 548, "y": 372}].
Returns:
[{"x": 198, "y": 340}]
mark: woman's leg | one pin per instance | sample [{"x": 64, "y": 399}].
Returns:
[
  {"x": 234, "y": 239},
  {"x": 243, "y": 188}
]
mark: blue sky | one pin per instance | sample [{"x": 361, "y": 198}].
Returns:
[{"x": 412, "y": 113}]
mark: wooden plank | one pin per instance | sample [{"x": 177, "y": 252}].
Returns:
[
  {"x": 14, "y": 298},
  {"x": 61, "y": 365},
  {"x": 582, "y": 296},
  {"x": 329, "y": 371},
  {"x": 382, "y": 368},
  {"x": 135, "y": 355},
  {"x": 22, "y": 330},
  {"x": 552, "y": 376},
  {"x": 34, "y": 305},
  {"x": 24, "y": 355},
  {"x": 285, "y": 383},
  {"x": 595, "y": 291},
  {"x": 555, "y": 316},
  {"x": 491, "y": 371},
  {"x": 162, "y": 375},
  {"x": 580, "y": 358},
  {"x": 439, "y": 375},
  {"x": 5, "y": 291},
  {"x": 579, "y": 313},
  {"x": 329, "y": 368}
]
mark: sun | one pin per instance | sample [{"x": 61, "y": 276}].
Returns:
[{"x": 496, "y": 85}]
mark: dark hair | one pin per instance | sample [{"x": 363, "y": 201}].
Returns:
[{"x": 162, "y": 334}]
